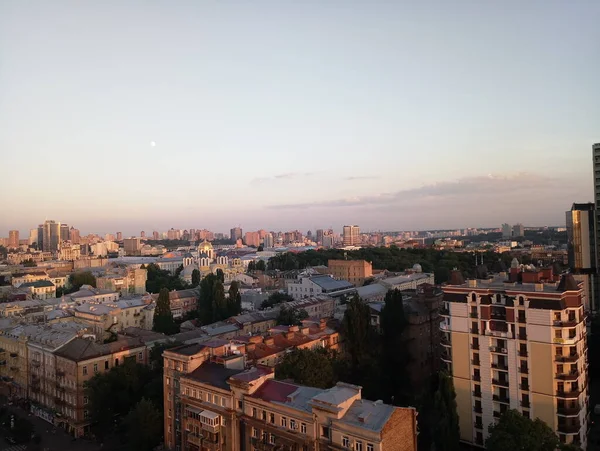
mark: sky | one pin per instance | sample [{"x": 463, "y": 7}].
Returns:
[{"x": 147, "y": 115}]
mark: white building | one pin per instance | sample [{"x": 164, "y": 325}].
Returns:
[{"x": 321, "y": 284}]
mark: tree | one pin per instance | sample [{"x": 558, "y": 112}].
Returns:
[
  {"x": 446, "y": 432},
  {"x": 260, "y": 265},
  {"x": 221, "y": 275},
  {"x": 195, "y": 278},
  {"x": 219, "y": 302},
  {"x": 276, "y": 298},
  {"x": 29, "y": 263},
  {"x": 260, "y": 248},
  {"x": 76, "y": 280},
  {"x": 144, "y": 424},
  {"x": 205, "y": 302},
  {"x": 234, "y": 302},
  {"x": 514, "y": 431},
  {"x": 163, "y": 318},
  {"x": 394, "y": 350},
  {"x": 308, "y": 367},
  {"x": 251, "y": 265},
  {"x": 291, "y": 316}
]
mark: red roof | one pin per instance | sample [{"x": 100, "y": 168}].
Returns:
[{"x": 273, "y": 390}]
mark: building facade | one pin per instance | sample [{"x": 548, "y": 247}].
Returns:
[
  {"x": 351, "y": 235},
  {"x": 517, "y": 341},
  {"x": 220, "y": 405},
  {"x": 354, "y": 271}
]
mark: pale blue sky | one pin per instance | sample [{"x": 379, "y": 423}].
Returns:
[{"x": 281, "y": 114}]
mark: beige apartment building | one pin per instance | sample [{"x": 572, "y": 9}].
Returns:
[
  {"x": 13, "y": 362},
  {"x": 517, "y": 341},
  {"x": 354, "y": 271},
  {"x": 127, "y": 281},
  {"x": 213, "y": 403}
]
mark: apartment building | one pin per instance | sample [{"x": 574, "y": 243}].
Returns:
[
  {"x": 351, "y": 235},
  {"x": 517, "y": 341},
  {"x": 222, "y": 406},
  {"x": 354, "y": 271},
  {"x": 131, "y": 280},
  {"x": 181, "y": 302},
  {"x": 75, "y": 363},
  {"x": 13, "y": 362}
]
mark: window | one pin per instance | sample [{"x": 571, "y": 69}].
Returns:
[
  {"x": 325, "y": 431},
  {"x": 284, "y": 422},
  {"x": 95, "y": 367},
  {"x": 85, "y": 370},
  {"x": 85, "y": 400},
  {"x": 187, "y": 391},
  {"x": 292, "y": 424},
  {"x": 140, "y": 356},
  {"x": 358, "y": 446},
  {"x": 193, "y": 393},
  {"x": 86, "y": 414},
  {"x": 168, "y": 381},
  {"x": 208, "y": 397},
  {"x": 253, "y": 412},
  {"x": 223, "y": 402},
  {"x": 272, "y": 418},
  {"x": 106, "y": 365},
  {"x": 216, "y": 400},
  {"x": 303, "y": 428},
  {"x": 240, "y": 405},
  {"x": 254, "y": 432},
  {"x": 264, "y": 415},
  {"x": 345, "y": 442},
  {"x": 271, "y": 439}
]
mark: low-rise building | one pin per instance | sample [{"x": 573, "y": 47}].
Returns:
[
  {"x": 322, "y": 284},
  {"x": 181, "y": 302},
  {"x": 319, "y": 306},
  {"x": 354, "y": 271},
  {"x": 40, "y": 289},
  {"x": 130, "y": 280}
]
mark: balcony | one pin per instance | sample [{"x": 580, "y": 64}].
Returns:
[
  {"x": 502, "y": 399},
  {"x": 523, "y": 370},
  {"x": 522, "y": 336},
  {"x": 474, "y": 330},
  {"x": 500, "y": 366},
  {"x": 475, "y": 346},
  {"x": 475, "y": 362},
  {"x": 521, "y": 320},
  {"x": 568, "y": 411},
  {"x": 477, "y": 394},
  {"x": 210, "y": 428},
  {"x": 446, "y": 357},
  {"x": 571, "y": 322},
  {"x": 478, "y": 425},
  {"x": 59, "y": 401},
  {"x": 445, "y": 342},
  {"x": 497, "y": 414},
  {"x": 498, "y": 350},
  {"x": 473, "y": 315},
  {"x": 574, "y": 357},
  {"x": 500, "y": 382},
  {"x": 569, "y": 428},
  {"x": 498, "y": 333},
  {"x": 195, "y": 439},
  {"x": 522, "y": 353},
  {"x": 568, "y": 394},
  {"x": 524, "y": 387},
  {"x": 570, "y": 376},
  {"x": 444, "y": 311},
  {"x": 60, "y": 373},
  {"x": 525, "y": 404},
  {"x": 476, "y": 377},
  {"x": 477, "y": 409},
  {"x": 566, "y": 341}
]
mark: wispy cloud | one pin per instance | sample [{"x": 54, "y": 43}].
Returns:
[
  {"x": 285, "y": 176},
  {"x": 478, "y": 192},
  {"x": 362, "y": 177}
]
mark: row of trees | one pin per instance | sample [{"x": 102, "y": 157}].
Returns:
[
  {"x": 213, "y": 304},
  {"x": 158, "y": 279},
  {"x": 258, "y": 265},
  {"x": 76, "y": 281}
]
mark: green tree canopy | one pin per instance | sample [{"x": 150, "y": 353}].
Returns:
[
  {"x": 145, "y": 424},
  {"x": 234, "y": 300},
  {"x": 446, "y": 432},
  {"x": 291, "y": 316},
  {"x": 77, "y": 279},
  {"x": 516, "y": 432},
  {"x": 220, "y": 275},
  {"x": 260, "y": 265},
  {"x": 29, "y": 263},
  {"x": 163, "y": 318},
  {"x": 308, "y": 367},
  {"x": 195, "y": 278},
  {"x": 158, "y": 279},
  {"x": 276, "y": 298}
]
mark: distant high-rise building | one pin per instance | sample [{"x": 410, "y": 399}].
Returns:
[
  {"x": 132, "y": 246},
  {"x": 64, "y": 232},
  {"x": 74, "y": 236},
  {"x": 506, "y": 231},
  {"x": 33, "y": 236},
  {"x": 119, "y": 236},
  {"x": 351, "y": 235},
  {"x": 252, "y": 239},
  {"x": 268, "y": 241},
  {"x": 319, "y": 236},
  {"x": 581, "y": 248},
  {"x": 155, "y": 235},
  {"x": 40, "y": 237},
  {"x": 13, "y": 238},
  {"x": 109, "y": 237},
  {"x": 236, "y": 233},
  {"x": 596, "y": 161},
  {"x": 143, "y": 234},
  {"x": 173, "y": 234},
  {"x": 51, "y": 233},
  {"x": 518, "y": 230}
]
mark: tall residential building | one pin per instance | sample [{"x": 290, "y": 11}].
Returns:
[
  {"x": 40, "y": 237},
  {"x": 506, "y": 230},
  {"x": 235, "y": 233},
  {"x": 252, "y": 239},
  {"x": 132, "y": 246},
  {"x": 596, "y": 161},
  {"x": 268, "y": 240},
  {"x": 354, "y": 271},
  {"x": 213, "y": 402},
  {"x": 351, "y": 236},
  {"x": 13, "y": 238},
  {"x": 155, "y": 235},
  {"x": 143, "y": 234},
  {"x": 173, "y": 234},
  {"x": 74, "y": 236},
  {"x": 51, "y": 233},
  {"x": 33, "y": 236},
  {"x": 119, "y": 236},
  {"x": 517, "y": 341},
  {"x": 64, "y": 232},
  {"x": 518, "y": 230},
  {"x": 581, "y": 248},
  {"x": 319, "y": 238}
]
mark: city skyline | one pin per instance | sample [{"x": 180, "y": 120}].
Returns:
[{"x": 295, "y": 115}]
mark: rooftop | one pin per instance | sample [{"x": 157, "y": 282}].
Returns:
[
  {"x": 213, "y": 374},
  {"x": 80, "y": 349},
  {"x": 37, "y": 284},
  {"x": 370, "y": 414},
  {"x": 328, "y": 283}
]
